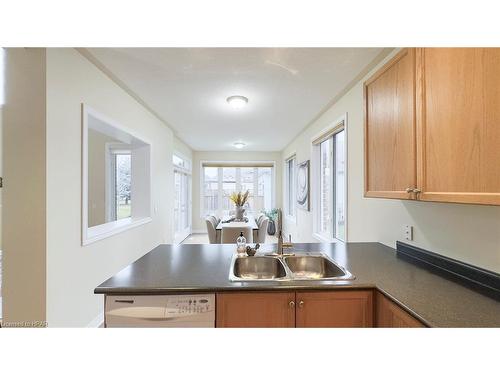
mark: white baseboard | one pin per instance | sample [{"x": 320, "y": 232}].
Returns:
[{"x": 97, "y": 322}]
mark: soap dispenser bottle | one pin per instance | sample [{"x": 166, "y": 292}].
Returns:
[{"x": 241, "y": 245}]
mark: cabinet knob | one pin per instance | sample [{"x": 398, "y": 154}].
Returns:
[
  {"x": 291, "y": 304},
  {"x": 417, "y": 191},
  {"x": 301, "y": 304},
  {"x": 410, "y": 190}
]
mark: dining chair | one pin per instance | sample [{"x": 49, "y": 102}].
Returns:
[
  {"x": 230, "y": 234},
  {"x": 212, "y": 232},
  {"x": 216, "y": 220},
  {"x": 263, "y": 229},
  {"x": 257, "y": 217}
]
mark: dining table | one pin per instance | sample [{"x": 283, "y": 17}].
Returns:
[{"x": 238, "y": 224}]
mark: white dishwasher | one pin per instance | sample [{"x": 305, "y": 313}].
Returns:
[{"x": 194, "y": 310}]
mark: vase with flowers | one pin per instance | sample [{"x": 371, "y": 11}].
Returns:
[{"x": 239, "y": 199}]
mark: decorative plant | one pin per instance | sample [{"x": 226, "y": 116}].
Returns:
[
  {"x": 272, "y": 214},
  {"x": 239, "y": 199}
]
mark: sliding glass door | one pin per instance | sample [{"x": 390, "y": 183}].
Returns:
[
  {"x": 182, "y": 211},
  {"x": 340, "y": 184},
  {"x": 330, "y": 218},
  {"x": 182, "y": 198}
]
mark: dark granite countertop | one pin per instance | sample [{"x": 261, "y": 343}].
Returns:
[{"x": 435, "y": 300}]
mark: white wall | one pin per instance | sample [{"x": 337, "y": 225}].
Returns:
[
  {"x": 74, "y": 271},
  {"x": 200, "y": 156},
  {"x": 24, "y": 191},
  {"x": 183, "y": 149},
  {"x": 470, "y": 233}
]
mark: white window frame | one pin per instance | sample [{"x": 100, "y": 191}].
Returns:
[
  {"x": 187, "y": 163},
  {"x": 111, "y": 150},
  {"x": 240, "y": 164},
  {"x": 335, "y": 127},
  {"x": 188, "y": 170},
  {"x": 290, "y": 190},
  {"x": 141, "y": 212}
]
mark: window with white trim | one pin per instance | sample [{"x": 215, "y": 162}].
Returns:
[
  {"x": 329, "y": 192},
  {"x": 116, "y": 179},
  {"x": 218, "y": 182},
  {"x": 290, "y": 176},
  {"x": 121, "y": 184}
]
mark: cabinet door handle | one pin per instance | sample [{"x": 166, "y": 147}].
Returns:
[
  {"x": 417, "y": 191},
  {"x": 410, "y": 190},
  {"x": 301, "y": 304},
  {"x": 291, "y": 304}
]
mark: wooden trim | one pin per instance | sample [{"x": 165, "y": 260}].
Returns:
[
  {"x": 461, "y": 197},
  {"x": 414, "y": 129},
  {"x": 420, "y": 118},
  {"x": 398, "y": 56},
  {"x": 389, "y": 194}
]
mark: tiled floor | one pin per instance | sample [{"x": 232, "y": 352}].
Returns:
[{"x": 202, "y": 238}]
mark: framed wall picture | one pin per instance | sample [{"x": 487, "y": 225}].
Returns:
[{"x": 303, "y": 185}]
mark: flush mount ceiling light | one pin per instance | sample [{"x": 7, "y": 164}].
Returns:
[
  {"x": 239, "y": 144},
  {"x": 237, "y": 101}
]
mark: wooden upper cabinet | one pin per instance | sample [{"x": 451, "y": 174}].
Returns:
[
  {"x": 389, "y": 100},
  {"x": 255, "y": 309},
  {"x": 334, "y": 309},
  {"x": 458, "y": 124},
  {"x": 390, "y": 315}
]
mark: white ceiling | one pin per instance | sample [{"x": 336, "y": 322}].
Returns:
[{"x": 188, "y": 87}]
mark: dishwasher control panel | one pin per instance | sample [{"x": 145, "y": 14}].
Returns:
[
  {"x": 190, "y": 304},
  {"x": 195, "y": 310}
]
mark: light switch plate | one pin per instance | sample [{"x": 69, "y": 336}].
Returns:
[{"x": 408, "y": 232}]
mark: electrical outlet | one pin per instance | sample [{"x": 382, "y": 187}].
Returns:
[{"x": 408, "y": 232}]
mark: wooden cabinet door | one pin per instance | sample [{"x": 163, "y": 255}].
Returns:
[
  {"x": 458, "y": 124},
  {"x": 390, "y": 155},
  {"x": 255, "y": 309},
  {"x": 390, "y": 315},
  {"x": 334, "y": 309}
]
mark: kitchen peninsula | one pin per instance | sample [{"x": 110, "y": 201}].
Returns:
[{"x": 389, "y": 290}]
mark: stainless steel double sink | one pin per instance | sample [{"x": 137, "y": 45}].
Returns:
[{"x": 310, "y": 266}]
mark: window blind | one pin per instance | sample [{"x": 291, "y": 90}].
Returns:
[{"x": 329, "y": 133}]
